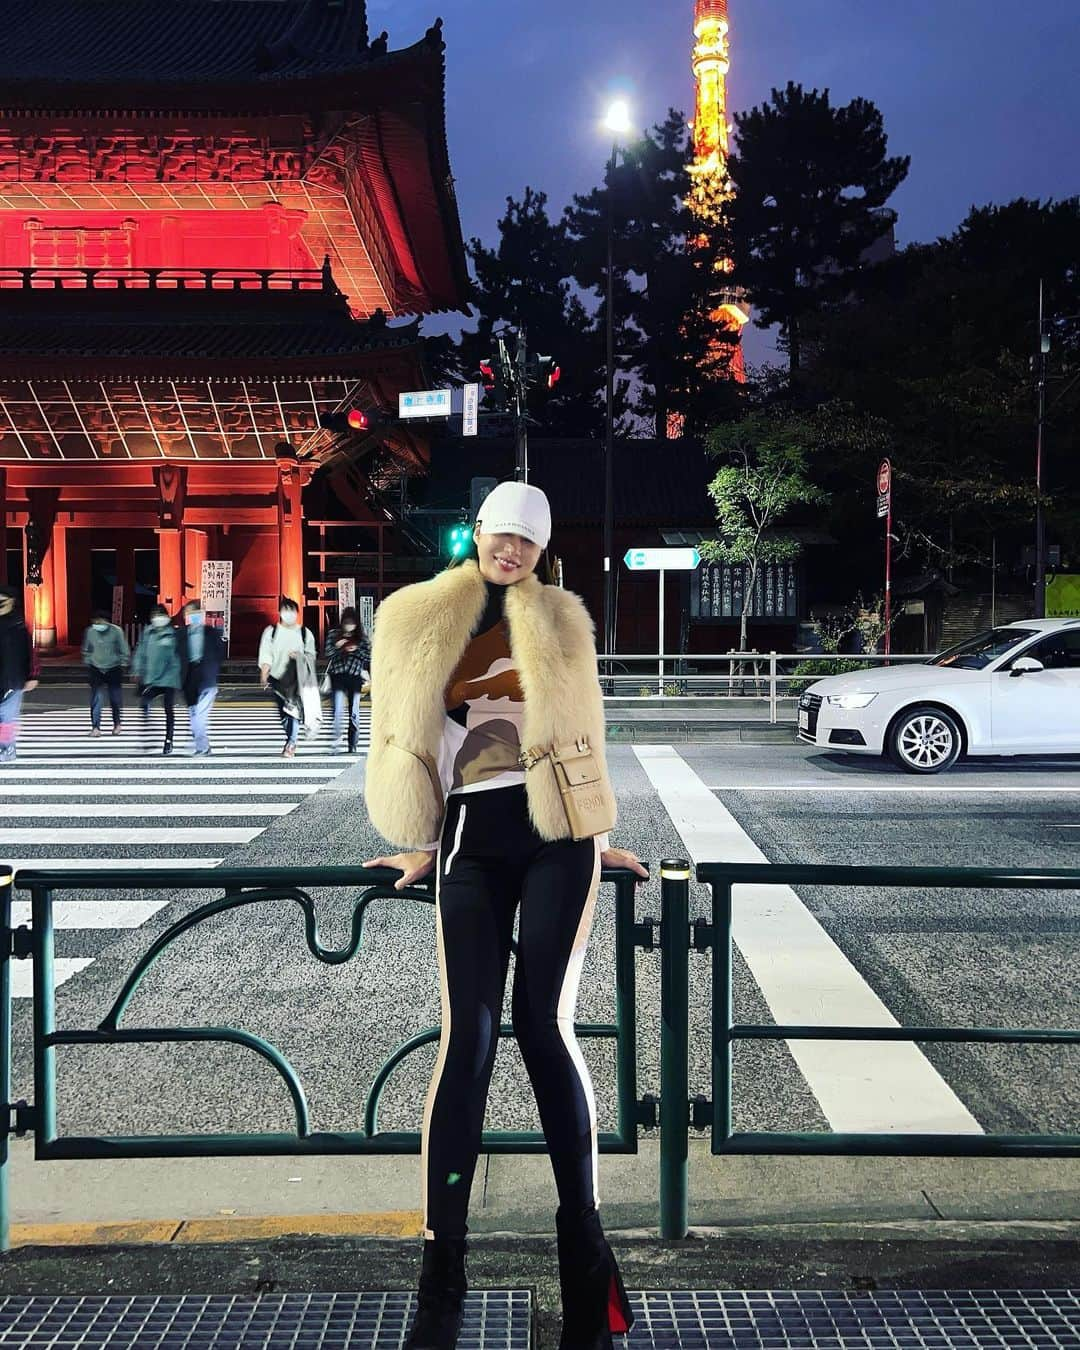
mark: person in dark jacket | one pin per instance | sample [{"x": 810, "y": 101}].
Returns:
[
  {"x": 106, "y": 655},
  {"x": 202, "y": 651},
  {"x": 18, "y": 669},
  {"x": 350, "y": 657},
  {"x": 157, "y": 670}
]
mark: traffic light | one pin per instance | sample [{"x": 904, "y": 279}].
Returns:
[
  {"x": 543, "y": 370},
  {"x": 346, "y": 420},
  {"x": 457, "y": 540},
  {"x": 496, "y": 385}
]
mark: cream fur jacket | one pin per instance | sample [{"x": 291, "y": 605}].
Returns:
[{"x": 420, "y": 635}]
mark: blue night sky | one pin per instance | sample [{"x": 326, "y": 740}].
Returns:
[{"x": 983, "y": 94}]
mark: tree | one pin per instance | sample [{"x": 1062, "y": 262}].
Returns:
[
  {"x": 665, "y": 278},
  {"x": 811, "y": 182},
  {"x": 934, "y": 350},
  {"x": 526, "y": 279},
  {"x": 763, "y": 474}
]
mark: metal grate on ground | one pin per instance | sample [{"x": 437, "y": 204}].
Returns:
[
  {"x": 498, "y": 1319},
  {"x": 901, "y": 1320},
  {"x": 495, "y": 1319}
]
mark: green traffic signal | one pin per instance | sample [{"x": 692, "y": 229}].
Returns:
[{"x": 458, "y": 540}]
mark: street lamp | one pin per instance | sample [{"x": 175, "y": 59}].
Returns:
[{"x": 618, "y": 124}]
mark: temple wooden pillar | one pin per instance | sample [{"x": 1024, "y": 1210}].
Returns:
[
  {"x": 290, "y": 524},
  {"x": 57, "y": 557},
  {"x": 171, "y": 483}
]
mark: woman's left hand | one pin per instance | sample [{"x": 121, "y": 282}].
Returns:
[{"x": 621, "y": 857}]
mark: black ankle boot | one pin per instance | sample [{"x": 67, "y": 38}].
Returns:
[
  {"x": 593, "y": 1297},
  {"x": 440, "y": 1298}
]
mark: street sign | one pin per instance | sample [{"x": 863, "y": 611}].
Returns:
[
  {"x": 216, "y": 587},
  {"x": 884, "y": 488},
  {"x": 662, "y": 559},
  {"x": 346, "y": 594},
  {"x": 470, "y": 413},
  {"x": 424, "y": 403}
]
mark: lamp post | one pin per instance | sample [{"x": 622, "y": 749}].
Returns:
[
  {"x": 1040, "y": 522},
  {"x": 618, "y": 123}
]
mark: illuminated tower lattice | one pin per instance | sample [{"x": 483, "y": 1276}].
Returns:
[{"x": 712, "y": 186}]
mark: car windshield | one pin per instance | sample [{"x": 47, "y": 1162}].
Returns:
[{"x": 979, "y": 651}]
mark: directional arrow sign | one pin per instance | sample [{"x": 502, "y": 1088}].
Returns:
[{"x": 662, "y": 559}]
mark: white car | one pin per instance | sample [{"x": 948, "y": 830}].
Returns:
[{"x": 1014, "y": 690}]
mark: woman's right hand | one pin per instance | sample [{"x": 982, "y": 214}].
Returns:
[{"x": 413, "y": 866}]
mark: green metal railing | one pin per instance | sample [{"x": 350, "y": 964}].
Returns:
[
  {"x": 677, "y": 1113},
  {"x": 243, "y": 887},
  {"x": 717, "y": 935}
]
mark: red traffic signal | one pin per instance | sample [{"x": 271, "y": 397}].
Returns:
[
  {"x": 554, "y": 376},
  {"x": 350, "y": 419},
  {"x": 487, "y": 374}
]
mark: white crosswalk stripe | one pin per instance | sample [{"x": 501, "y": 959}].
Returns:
[{"x": 74, "y": 801}]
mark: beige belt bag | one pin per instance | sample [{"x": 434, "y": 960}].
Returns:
[{"x": 586, "y": 795}]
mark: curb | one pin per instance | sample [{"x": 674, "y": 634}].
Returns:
[{"x": 145, "y": 1232}]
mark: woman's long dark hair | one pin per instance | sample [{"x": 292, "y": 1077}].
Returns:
[{"x": 544, "y": 568}]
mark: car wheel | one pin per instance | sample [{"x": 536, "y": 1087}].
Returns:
[{"x": 925, "y": 740}]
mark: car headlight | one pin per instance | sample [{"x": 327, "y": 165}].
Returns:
[{"x": 849, "y": 701}]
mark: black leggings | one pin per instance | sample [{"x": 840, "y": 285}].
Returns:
[{"x": 489, "y": 858}]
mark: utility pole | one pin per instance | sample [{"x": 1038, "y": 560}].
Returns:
[
  {"x": 609, "y": 422},
  {"x": 521, "y": 415},
  {"x": 1040, "y": 522}
]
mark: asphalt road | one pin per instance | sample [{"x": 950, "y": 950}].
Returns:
[{"x": 921, "y": 958}]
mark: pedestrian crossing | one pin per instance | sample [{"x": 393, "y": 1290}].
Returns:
[{"x": 71, "y": 800}]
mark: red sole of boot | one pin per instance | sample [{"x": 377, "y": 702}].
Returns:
[{"x": 617, "y": 1318}]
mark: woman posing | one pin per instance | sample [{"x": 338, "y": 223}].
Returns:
[{"x": 475, "y": 675}]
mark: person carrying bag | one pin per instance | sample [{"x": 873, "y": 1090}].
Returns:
[{"x": 487, "y": 739}]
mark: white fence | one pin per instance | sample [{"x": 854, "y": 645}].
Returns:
[{"x": 730, "y": 677}]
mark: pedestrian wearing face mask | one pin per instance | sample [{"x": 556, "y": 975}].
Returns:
[
  {"x": 350, "y": 656},
  {"x": 202, "y": 650},
  {"x": 286, "y": 659},
  {"x": 18, "y": 669},
  {"x": 156, "y": 668},
  {"x": 106, "y": 656}
]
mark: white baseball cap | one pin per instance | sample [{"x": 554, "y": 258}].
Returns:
[{"x": 516, "y": 508}]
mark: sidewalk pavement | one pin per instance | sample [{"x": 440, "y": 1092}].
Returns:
[{"x": 185, "y": 1201}]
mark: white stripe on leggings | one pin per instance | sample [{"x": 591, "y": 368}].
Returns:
[
  {"x": 565, "y": 1014},
  {"x": 457, "y": 839},
  {"x": 444, "y": 1042}
]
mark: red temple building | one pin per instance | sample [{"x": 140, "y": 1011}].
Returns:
[{"x": 209, "y": 212}]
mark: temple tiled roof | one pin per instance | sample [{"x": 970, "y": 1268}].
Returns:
[
  {"x": 109, "y": 41},
  {"x": 123, "y": 331}
]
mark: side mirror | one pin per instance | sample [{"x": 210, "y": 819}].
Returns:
[{"x": 1025, "y": 665}]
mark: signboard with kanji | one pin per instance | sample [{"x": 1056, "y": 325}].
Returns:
[
  {"x": 346, "y": 594},
  {"x": 216, "y": 597},
  {"x": 424, "y": 403},
  {"x": 717, "y": 591},
  {"x": 470, "y": 410}
]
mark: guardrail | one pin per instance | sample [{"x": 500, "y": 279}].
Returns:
[
  {"x": 716, "y": 1114},
  {"x": 243, "y": 887},
  {"x": 675, "y": 1112},
  {"x": 775, "y": 676}
]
